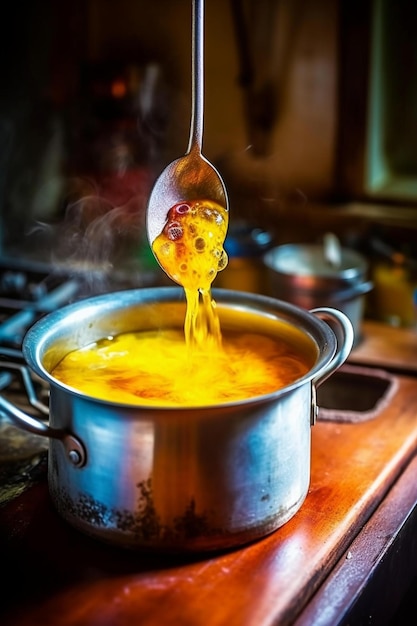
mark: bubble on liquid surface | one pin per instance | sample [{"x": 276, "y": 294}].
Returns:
[{"x": 199, "y": 244}]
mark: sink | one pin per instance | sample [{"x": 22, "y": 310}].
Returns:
[{"x": 355, "y": 393}]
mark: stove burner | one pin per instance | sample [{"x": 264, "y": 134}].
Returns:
[
  {"x": 27, "y": 292},
  {"x": 27, "y": 295}
]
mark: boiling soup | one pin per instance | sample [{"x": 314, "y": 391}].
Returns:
[{"x": 155, "y": 367}]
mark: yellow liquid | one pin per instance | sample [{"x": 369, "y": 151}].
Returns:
[
  {"x": 190, "y": 249},
  {"x": 156, "y": 368}
]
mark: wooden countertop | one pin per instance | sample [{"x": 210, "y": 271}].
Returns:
[
  {"x": 53, "y": 572},
  {"x": 386, "y": 346}
]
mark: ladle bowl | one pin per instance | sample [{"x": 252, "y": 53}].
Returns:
[{"x": 191, "y": 177}]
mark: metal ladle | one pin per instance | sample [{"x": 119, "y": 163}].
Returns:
[{"x": 190, "y": 177}]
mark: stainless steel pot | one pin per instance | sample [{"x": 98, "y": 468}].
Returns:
[
  {"x": 304, "y": 275},
  {"x": 178, "y": 479}
]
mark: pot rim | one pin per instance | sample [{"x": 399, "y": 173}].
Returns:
[{"x": 43, "y": 334}]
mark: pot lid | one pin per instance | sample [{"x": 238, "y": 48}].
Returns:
[{"x": 311, "y": 260}]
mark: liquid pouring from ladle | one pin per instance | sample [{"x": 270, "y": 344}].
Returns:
[{"x": 192, "y": 176}]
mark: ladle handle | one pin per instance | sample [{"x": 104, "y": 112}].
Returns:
[
  {"x": 74, "y": 448},
  {"x": 197, "y": 85},
  {"x": 343, "y": 330}
]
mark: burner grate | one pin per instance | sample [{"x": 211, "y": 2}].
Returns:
[
  {"x": 26, "y": 293},
  {"x": 25, "y": 297}
]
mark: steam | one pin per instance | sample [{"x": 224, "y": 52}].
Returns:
[
  {"x": 98, "y": 239},
  {"x": 93, "y": 231}
]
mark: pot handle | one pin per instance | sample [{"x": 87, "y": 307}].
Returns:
[
  {"x": 352, "y": 292},
  {"x": 74, "y": 448},
  {"x": 343, "y": 330}
]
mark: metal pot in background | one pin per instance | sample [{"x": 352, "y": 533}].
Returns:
[
  {"x": 311, "y": 275},
  {"x": 179, "y": 479}
]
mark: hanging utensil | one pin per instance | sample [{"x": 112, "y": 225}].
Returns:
[{"x": 192, "y": 176}]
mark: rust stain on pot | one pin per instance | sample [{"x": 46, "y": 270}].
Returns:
[{"x": 144, "y": 524}]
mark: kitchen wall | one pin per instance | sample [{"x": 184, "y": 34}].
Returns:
[
  {"x": 287, "y": 104},
  {"x": 294, "y": 51},
  {"x": 284, "y": 119}
]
